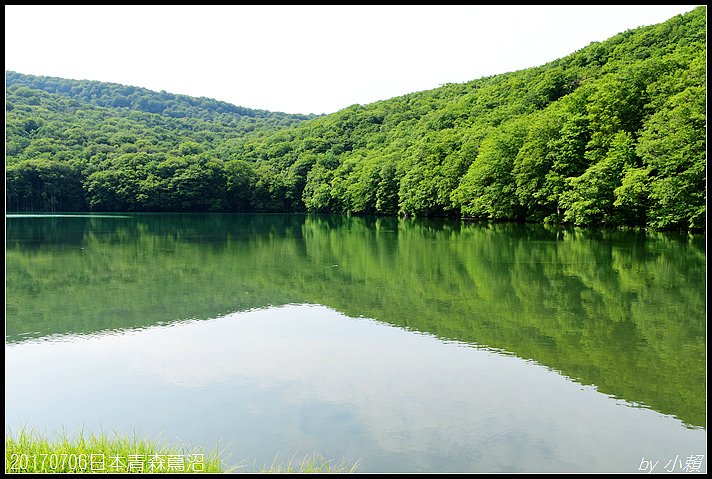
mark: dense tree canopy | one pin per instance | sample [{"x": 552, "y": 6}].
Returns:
[{"x": 613, "y": 134}]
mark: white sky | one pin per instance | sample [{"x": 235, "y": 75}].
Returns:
[{"x": 303, "y": 59}]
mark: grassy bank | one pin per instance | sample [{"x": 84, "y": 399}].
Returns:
[{"x": 28, "y": 452}]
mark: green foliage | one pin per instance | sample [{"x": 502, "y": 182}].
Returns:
[
  {"x": 590, "y": 197},
  {"x": 488, "y": 189},
  {"x": 45, "y": 184},
  {"x": 112, "y": 95},
  {"x": 535, "y": 145},
  {"x": 673, "y": 148}
]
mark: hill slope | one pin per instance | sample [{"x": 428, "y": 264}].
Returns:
[{"x": 611, "y": 134}]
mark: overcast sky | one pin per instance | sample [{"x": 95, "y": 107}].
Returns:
[{"x": 303, "y": 59}]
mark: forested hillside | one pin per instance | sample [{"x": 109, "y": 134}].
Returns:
[
  {"x": 70, "y": 144},
  {"x": 613, "y": 134}
]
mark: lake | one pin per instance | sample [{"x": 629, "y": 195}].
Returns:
[{"x": 407, "y": 345}]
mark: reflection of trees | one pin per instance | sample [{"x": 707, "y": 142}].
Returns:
[{"x": 620, "y": 310}]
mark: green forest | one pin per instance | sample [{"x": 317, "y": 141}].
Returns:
[{"x": 613, "y": 134}]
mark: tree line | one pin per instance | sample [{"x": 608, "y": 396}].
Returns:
[{"x": 613, "y": 134}]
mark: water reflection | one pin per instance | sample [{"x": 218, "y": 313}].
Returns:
[
  {"x": 303, "y": 377},
  {"x": 622, "y": 311}
]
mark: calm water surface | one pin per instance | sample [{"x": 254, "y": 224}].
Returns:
[{"x": 407, "y": 345}]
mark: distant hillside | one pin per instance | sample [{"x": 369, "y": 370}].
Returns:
[
  {"x": 60, "y": 132},
  {"x": 113, "y": 95},
  {"x": 613, "y": 134}
]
